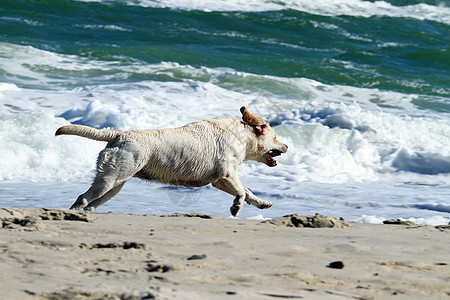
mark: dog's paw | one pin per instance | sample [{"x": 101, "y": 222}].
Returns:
[
  {"x": 235, "y": 209},
  {"x": 79, "y": 204},
  {"x": 264, "y": 205}
]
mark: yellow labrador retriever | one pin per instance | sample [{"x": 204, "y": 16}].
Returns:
[{"x": 194, "y": 155}]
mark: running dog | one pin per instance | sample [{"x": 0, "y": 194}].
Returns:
[{"x": 197, "y": 154}]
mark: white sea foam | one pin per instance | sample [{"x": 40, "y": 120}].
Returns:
[
  {"x": 421, "y": 11},
  {"x": 107, "y": 27},
  {"x": 433, "y": 220},
  {"x": 30, "y": 152}
]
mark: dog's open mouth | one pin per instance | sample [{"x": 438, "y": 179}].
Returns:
[{"x": 270, "y": 157}]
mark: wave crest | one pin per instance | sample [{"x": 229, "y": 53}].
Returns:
[{"x": 359, "y": 8}]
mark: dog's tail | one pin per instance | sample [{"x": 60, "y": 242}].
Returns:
[{"x": 106, "y": 135}]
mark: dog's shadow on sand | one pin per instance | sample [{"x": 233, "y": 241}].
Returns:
[{"x": 183, "y": 196}]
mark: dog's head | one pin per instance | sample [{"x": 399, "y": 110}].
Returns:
[{"x": 268, "y": 146}]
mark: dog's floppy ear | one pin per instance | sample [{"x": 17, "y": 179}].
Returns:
[{"x": 256, "y": 122}]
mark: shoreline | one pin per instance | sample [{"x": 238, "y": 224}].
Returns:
[{"x": 60, "y": 254}]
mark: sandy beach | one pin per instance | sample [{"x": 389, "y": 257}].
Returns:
[{"x": 56, "y": 254}]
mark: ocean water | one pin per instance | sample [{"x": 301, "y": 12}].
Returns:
[{"x": 359, "y": 90}]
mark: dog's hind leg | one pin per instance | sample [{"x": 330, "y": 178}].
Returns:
[
  {"x": 97, "y": 202},
  {"x": 100, "y": 187},
  {"x": 114, "y": 167}
]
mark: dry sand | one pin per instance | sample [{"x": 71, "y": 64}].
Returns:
[{"x": 55, "y": 254}]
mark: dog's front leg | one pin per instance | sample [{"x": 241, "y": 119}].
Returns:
[
  {"x": 234, "y": 186},
  {"x": 258, "y": 202},
  {"x": 249, "y": 197}
]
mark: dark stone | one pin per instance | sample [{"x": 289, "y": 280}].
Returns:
[
  {"x": 197, "y": 256},
  {"x": 336, "y": 265}
]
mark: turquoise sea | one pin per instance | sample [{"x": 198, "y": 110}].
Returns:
[{"x": 359, "y": 90}]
